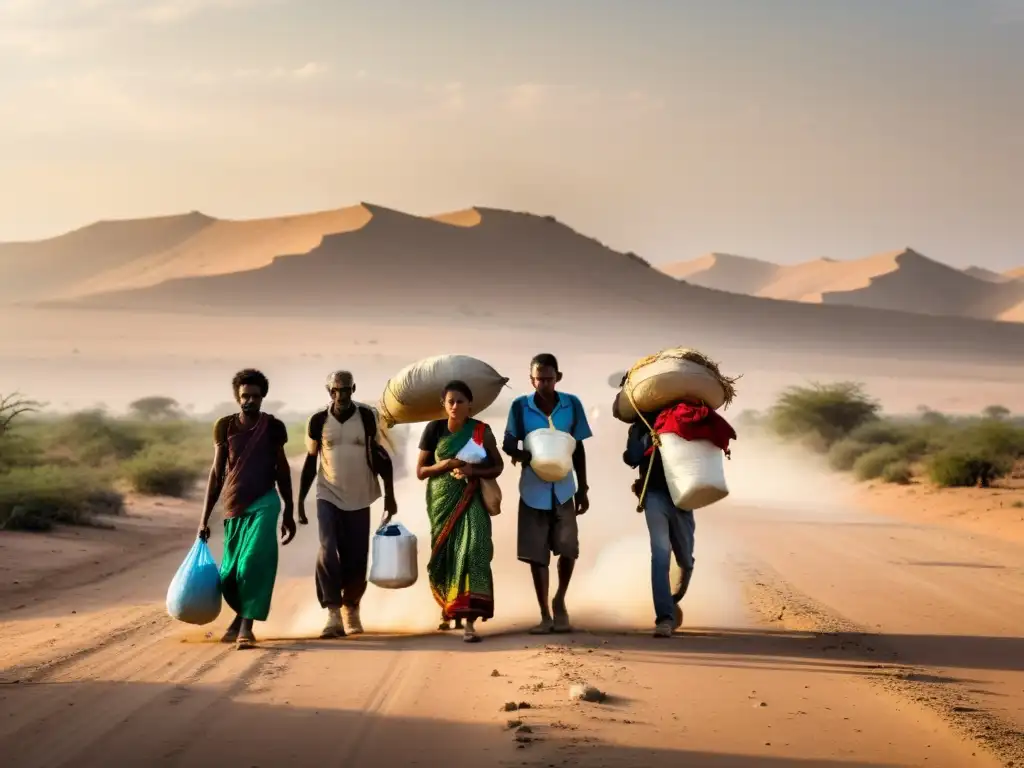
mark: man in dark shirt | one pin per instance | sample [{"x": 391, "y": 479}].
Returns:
[
  {"x": 248, "y": 461},
  {"x": 671, "y": 529}
]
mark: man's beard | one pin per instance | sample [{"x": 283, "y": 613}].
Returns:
[{"x": 250, "y": 408}]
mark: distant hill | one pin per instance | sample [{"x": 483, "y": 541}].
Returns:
[
  {"x": 901, "y": 280},
  {"x": 483, "y": 267},
  {"x": 119, "y": 255}
]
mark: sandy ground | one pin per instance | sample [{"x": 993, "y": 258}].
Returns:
[
  {"x": 816, "y": 634},
  {"x": 986, "y": 513}
]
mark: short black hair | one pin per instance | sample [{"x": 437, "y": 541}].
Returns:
[
  {"x": 458, "y": 386},
  {"x": 545, "y": 360},
  {"x": 250, "y": 376}
]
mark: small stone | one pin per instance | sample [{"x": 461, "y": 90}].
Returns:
[
  {"x": 511, "y": 724},
  {"x": 510, "y": 706},
  {"x": 495, "y": 673},
  {"x": 584, "y": 692},
  {"x": 524, "y": 729}
]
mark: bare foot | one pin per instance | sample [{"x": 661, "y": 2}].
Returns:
[
  {"x": 561, "y": 623},
  {"x": 546, "y": 627},
  {"x": 231, "y": 635}
]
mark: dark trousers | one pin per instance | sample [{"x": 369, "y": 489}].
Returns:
[{"x": 344, "y": 554}]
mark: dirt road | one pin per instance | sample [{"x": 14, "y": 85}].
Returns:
[{"x": 862, "y": 641}]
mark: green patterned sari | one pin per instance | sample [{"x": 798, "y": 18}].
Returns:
[{"x": 460, "y": 538}]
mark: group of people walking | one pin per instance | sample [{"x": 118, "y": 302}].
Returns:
[{"x": 251, "y": 478}]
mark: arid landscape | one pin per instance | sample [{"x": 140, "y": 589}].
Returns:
[
  {"x": 901, "y": 280},
  {"x": 831, "y": 622}
]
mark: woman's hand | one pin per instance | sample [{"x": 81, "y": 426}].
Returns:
[
  {"x": 452, "y": 464},
  {"x": 465, "y": 472}
]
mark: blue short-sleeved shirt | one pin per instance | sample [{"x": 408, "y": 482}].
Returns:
[{"x": 568, "y": 416}]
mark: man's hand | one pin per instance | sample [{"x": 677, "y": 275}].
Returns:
[
  {"x": 390, "y": 507},
  {"x": 204, "y": 532},
  {"x": 303, "y": 520},
  {"x": 524, "y": 458},
  {"x": 582, "y": 503},
  {"x": 287, "y": 527}
]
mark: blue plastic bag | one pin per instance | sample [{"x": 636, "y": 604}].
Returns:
[{"x": 194, "y": 595}]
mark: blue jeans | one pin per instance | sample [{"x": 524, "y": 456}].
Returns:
[{"x": 672, "y": 530}]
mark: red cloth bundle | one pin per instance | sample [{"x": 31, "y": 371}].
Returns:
[{"x": 694, "y": 422}]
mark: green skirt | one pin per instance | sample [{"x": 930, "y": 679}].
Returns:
[{"x": 249, "y": 567}]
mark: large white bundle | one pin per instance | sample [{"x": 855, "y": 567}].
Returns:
[
  {"x": 551, "y": 451},
  {"x": 694, "y": 471},
  {"x": 394, "y": 561},
  {"x": 666, "y": 378},
  {"x": 414, "y": 393}
]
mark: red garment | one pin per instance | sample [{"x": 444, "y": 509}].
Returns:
[{"x": 694, "y": 422}]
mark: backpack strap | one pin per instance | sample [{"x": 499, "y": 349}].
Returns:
[
  {"x": 377, "y": 458},
  {"x": 316, "y": 427}
]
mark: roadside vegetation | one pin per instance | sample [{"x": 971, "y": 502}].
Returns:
[
  {"x": 844, "y": 424},
  {"x": 71, "y": 468}
]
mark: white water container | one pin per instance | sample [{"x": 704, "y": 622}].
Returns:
[
  {"x": 552, "y": 451},
  {"x": 694, "y": 471},
  {"x": 394, "y": 562}
]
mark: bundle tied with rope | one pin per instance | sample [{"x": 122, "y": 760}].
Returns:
[{"x": 663, "y": 379}]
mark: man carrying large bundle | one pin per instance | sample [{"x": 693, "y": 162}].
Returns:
[
  {"x": 671, "y": 397},
  {"x": 549, "y": 498},
  {"x": 345, "y": 438}
]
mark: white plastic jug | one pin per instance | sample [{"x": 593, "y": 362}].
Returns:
[
  {"x": 552, "y": 451},
  {"x": 394, "y": 562},
  {"x": 694, "y": 471}
]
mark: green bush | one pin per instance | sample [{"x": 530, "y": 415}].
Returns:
[
  {"x": 880, "y": 432},
  {"x": 872, "y": 464},
  {"x": 843, "y": 455},
  {"x": 160, "y": 470},
  {"x": 37, "y": 498},
  {"x": 898, "y": 472},
  {"x": 93, "y": 438},
  {"x": 831, "y": 411},
  {"x": 966, "y": 468}
]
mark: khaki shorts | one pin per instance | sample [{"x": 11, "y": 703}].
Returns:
[{"x": 546, "y": 531}]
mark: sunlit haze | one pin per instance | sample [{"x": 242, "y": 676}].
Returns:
[{"x": 786, "y": 130}]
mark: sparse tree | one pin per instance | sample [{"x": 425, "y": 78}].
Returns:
[
  {"x": 12, "y": 406},
  {"x": 829, "y": 411},
  {"x": 996, "y": 412},
  {"x": 155, "y": 408}
]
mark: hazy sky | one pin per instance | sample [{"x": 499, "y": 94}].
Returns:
[{"x": 784, "y": 129}]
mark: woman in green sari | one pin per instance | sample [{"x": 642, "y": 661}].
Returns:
[{"x": 460, "y": 526}]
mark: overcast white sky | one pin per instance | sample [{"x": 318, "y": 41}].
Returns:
[{"x": 783, "y": 129}]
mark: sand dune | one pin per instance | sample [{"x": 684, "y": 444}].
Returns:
[
  {"x": 121, "y": 255},
  {"x": 469, "y": 217},
  {"x": 901, "y": 280},
  {"x": 725, "y": 272},
  {"x": 50, "y": 267},
  {"x": 987, "y": 275},
  {"x": 487, "y": 268}
]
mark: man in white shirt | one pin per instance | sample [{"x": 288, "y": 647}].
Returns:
[{"x": 345, "y": 439}]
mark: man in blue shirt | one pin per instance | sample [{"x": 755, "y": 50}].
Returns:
[{"x": 548, "y": 511}]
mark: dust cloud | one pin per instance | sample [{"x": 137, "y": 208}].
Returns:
[{"x": 611, "y": 588}]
